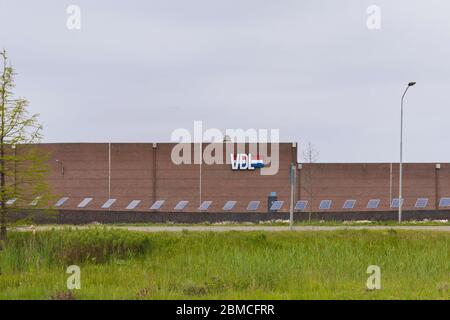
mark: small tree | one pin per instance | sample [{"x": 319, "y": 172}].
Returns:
[
  {"x": 310, "y": 155},
  {"x": 22, "y": 168}
]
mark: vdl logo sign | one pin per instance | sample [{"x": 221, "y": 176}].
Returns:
[{"x": 242, "y": 161}]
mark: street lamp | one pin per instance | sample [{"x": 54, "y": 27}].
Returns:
[{"x": 400, "y": 184}]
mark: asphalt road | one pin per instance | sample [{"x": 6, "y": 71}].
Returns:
[{"x": 247, "y": 228}]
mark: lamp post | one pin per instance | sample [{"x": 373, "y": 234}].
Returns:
[
  {"x": 400, "y": 184},
  {"x": 292, "y": 175}
]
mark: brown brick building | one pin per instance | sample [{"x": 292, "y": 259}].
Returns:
[{"x": 136, "y": 175}]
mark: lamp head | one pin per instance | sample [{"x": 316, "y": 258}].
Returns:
[{"x": 411, "y": 84}]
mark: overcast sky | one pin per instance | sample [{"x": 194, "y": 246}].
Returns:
[{"x": 137, "y": 70}]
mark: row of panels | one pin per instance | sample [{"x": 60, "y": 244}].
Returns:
[{"x": 421, "y": 203}]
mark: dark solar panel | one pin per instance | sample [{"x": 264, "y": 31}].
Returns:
[
  {"x": 276, "y": 205},
  {"x": 205, "y": 205},
  {"x": 349, "y": 204},
  {"x": 421, "y": 203},
  {"x": 373, "y": 203},
  {"x": 108, "y": 203},
  {"x": 84, "y": 203},
  {"x": 133, "y": 204},
  {"x": 395, "y": 203},
  {"x": 444, "y": 202},
  {"x": 157, "y": 205},
  {"x": 325, "y": 204},
  {"x": 229, "y": 205},
  {"x": 301, "y": 205},
  {"x": 253, "y": 205},
  {"x": 181, "y": 205},
  {"x": 59, "y": 203}
]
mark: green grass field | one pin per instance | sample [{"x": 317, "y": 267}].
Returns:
[
  {"x": 302, "y": 223},
  {"x": 118, "y": 264}
]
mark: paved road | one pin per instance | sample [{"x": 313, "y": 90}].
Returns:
[{"x": 248, "y": 228}]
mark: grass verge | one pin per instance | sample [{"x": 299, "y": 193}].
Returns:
[{"x": 118, "y": 264}]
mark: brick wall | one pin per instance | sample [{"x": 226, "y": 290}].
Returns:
[
  {"x": 144, "y": 171},
  {"x": 362, "y": 182}
]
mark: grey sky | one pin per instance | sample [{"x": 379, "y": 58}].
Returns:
[{"x": 139, "y": 69}]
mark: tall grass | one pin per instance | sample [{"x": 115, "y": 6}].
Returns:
[
  {"x": 251, "y": 265},
  {"x": 302, "y": 265},
  {"x": 26, "y": 251}
]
